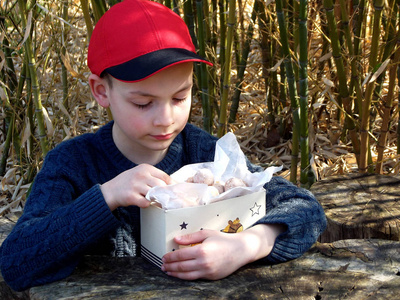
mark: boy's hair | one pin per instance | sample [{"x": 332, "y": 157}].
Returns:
[
  {"x": 135, "y": 39},
  {"x": 107, "y": 77}
]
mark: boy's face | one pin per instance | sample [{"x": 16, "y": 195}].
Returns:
[{"x": 149, "y": 114}]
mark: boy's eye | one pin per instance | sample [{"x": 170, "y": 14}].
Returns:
[
  {"x": 142, "y": 106},
  {"x": 180, "y": 99}
]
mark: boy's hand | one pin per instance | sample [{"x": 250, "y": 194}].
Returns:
[
  {"x": 130, "y": 187},
  {"x": 219, "y": 254}
]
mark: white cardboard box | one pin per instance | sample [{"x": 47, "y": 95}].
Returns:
[{"x": 159, "y": 227}]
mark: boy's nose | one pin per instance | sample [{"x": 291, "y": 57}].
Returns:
[{"x": 165, "y": 115}]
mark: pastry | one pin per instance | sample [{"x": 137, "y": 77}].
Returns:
[
  {"x": 234, "y": 182},
  {"x": 204, "y": 176}
]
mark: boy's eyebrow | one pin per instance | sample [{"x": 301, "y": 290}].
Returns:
[{"x": 144, "y": 94}]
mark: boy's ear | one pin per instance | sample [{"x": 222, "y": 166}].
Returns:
[{"x": 100, "y": 90}]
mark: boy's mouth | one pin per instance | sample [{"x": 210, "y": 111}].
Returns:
[{"x": 162, "y": 137}]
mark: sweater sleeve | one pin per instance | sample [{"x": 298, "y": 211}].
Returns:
[
  {"x": 57, "y": 226},
  {"x": 302, "y": 214}
]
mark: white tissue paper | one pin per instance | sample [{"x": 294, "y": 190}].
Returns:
[{"x": 229, "y": 161}]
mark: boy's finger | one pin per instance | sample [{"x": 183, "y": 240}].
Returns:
[
  {"x": 153, "y": 182},
  {"x": 143, "y": 203},
  {"x": 193, "y": 238},
  {"x": 161, "y": 175},
  {"x": 180, "y": 266},
  {"x": 186, "y": 275},
  {"x": 179, "y": 255}
]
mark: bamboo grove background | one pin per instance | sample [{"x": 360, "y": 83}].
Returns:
[{"x": 311, "y": 85}]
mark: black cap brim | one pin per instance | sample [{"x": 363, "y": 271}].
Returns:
[{"x": 148, "y": 64}]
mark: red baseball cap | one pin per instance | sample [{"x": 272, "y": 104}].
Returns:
[{"x": 135, "y": 39}]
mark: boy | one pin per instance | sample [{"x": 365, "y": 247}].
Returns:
[{"x": 86, "y": 198}]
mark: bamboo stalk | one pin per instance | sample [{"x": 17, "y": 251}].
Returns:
[
  {"x": 99, "y": 8},
  {"x": 389, "y": 39},
  {"x": 189, "y": 19},
  {"x": 385, "y": 50},
  {"x": 283, "y": 85},
  {"x": 168, "y": 3},
  {"x": 12, "y": 78},
  {"x": 10, "y": 119},
  {"x": 113, "y": 2},
  {"x": 288, "y": 8},
  {"x": 237, "y": 37},
  {"x": 188, "y": 16},
  {"x": 88, "y": 22},
  {"x": 305, "y": 166},
  {"x": 211, "y": 56},
  {"x": 292, "y": 89},
  {"x": 266, "y": 57},
  {"x": 12, "y": 114},
  {"x": 207, "y": 22},
  {"x": 240, "y": 32},
  {"x": 227, "y": 70},
  {"x": 270, "y": 78},
  {"x": 365, "y": 115},
  {"x": 335, "y": 44},
  {"x": 398, "y": 127},
  {"x": 64, "y": 77},
  {"x": 10, "y": 109},
  {"x": 388, "y": 104},
  {"x": 211, "y": 76},
  {"x": 9, "y": 113},
  {"x": 35, "y": 84},
  {"x": 222, "y": 28},
  {"x": 214, "y": 33},
  {"x": 175, "y": 5},
  {"x": 293, "y": 9},
  {"x": 96, "y": 13},
  {"x": 203, "y": 81},
  {"x": 29, "y": 110},
  {"x": 283, "y": 91},
  {"x": 62, "y": 53},
  {"x": 349, "y": 123},
  {"x": 355, "y": 79},
  {"x": 359, "y": 26},
  {"x": 11, "y": 94},
  {"x": 242, "y": 64}
]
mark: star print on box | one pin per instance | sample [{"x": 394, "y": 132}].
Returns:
[
  {"x": 255, "y": 210},
  {"x": 183, "y": 225}
]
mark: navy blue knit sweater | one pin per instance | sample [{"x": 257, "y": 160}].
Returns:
[{"x": 66, "y": 216}]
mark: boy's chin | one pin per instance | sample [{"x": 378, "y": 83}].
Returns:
[{"x": 160, "y": 145}]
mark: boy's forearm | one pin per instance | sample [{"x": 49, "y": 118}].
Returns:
[
  {"x": 58, "y": 239},
  {"x": 108, "y": 197},
  {"x": 259, "y": 240},
  {"x": 301, "y": 214}
]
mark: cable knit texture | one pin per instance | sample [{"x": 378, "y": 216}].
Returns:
[{"x": 66, "y": 216}]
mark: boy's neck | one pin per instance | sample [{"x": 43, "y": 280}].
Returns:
[{"x": 153, "y": 159}]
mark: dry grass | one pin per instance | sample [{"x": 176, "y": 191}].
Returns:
[{"x": 331, "y": 155}]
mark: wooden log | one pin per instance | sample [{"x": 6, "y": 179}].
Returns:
[
  {"x": 360, "y": 206},
  {"x": 351, "y": 269}
]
